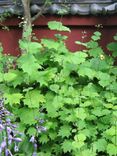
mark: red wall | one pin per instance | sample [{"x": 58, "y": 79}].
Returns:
[{"x": 78, "y": 24}]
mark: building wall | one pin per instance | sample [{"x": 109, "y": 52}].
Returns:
[{"x": 78, "y": 25}]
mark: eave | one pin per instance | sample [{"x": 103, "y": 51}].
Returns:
[{"x": 69, "y": 7}]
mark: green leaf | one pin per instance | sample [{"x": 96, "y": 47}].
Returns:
[
  {"x": 54, "y": 88},
  {"x": 115, "y": 37},
  {"x": 80, "y": 113},
  {"x": 113, "y": 87},
  {"x": 92, "y": 45},
  {"x": 52, "y": 135},
  {"x": 112, "y": 149},
  {"x": 8, "y": 77},
  {"x": 113, "y": 47},
  {"x": 50, "y": 44},
  {"x": 26, "y": 147},
  {"x": 1, "y": 48},
  {"x": 53, "y": 104},
  {"x": 104, "y": 78},
  {"x": 67, "y": 146},
  {"x": 95, "y": 38},
  {"x": 100, "y": 145},
  {"x": 43, "y": 138},
  {"x": 18, "y": 77},
  {"x": 81, "y": 43},
  {"x": 28, "y": 63},
  {"x": 33, "y": 99},
  {"x": 98, "y": 64},
  {"x": 97, "y": 33},
  {"x": 80, "y": 137},
  {"x": 51, "y": 110},
  {"x": 54, "y": 25},
  {"x": 112, "y": 131},
  {"x": 99, "y": 112},
  {"x": 57, "y": 102},
  {"x": 13, "y": 98},
  {"x": 1, "y": 77},
  {"x": 78, "y": 144},
  {"x": 21, "y": 127},
  {"x": 51, "y": 125},
  {"x": 76, "y": 58},
  {"x": 31, "y": 131},
  {"x": 65, "y": 131},
  {"x": 61, "y": 37},
  {"x": 30, "y": 47},
  {"x": 28, "y": 116},
  {"x": 96, "y": 52},
  {"x": 90, "y": 91},
  {"x": 44, "y": 77},
  {"x": 87, "y": 152},
  {"x": 84, "y": 71}
]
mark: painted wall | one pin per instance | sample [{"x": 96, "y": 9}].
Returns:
[{"x": 78, "y": 25}]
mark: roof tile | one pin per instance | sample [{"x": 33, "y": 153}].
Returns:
[{"x": 76, "y": 7}]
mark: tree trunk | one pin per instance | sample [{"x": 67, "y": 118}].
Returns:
[{"x": 27, "y": 25}]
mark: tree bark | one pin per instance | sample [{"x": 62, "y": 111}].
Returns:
[{"x": 27, "y": 24}]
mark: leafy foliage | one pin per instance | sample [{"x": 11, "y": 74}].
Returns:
[
  {"x": 54, "y": 25},
  {"x": 76, "y": 94}
]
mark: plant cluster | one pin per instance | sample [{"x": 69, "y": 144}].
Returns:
[
  {"x": 65, "y": 103},
  {"x": 3, "y": 18},
  {"x": 8, "y": 132}
]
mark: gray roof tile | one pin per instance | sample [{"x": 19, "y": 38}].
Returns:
[{"x": 76, "y": 7}]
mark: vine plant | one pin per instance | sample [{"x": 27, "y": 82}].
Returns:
[
  {"x": 64, "y": 103},
  {"x": 71, "y": 97}
]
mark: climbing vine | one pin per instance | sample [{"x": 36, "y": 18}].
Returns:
[{"x": 63, "y": 102}]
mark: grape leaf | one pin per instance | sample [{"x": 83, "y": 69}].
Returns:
[
  {"x": 1, "y": 77},
  {"x": 96, "y": 52},
  {"x": 100, "y": 145},
  {"x": 50, "y": 44},
  {"x": 52, "y": 111},
  {"x": 28, "y": 63},
  {"x": 76, "y": 58},
  {"x": 28, "y": 116},
  {"x": 78, "y": 144},
  {"x": 30, "y": 47},
  {"x": 104, "y": 78},
  {"x": 43, "y": 138},
  {"x": 18, "y": 78},
  {"x": 43, "y": 77},
  {"x": 8, "y": 77},
  {"x": 54, "y": 88},
  {"x": 65, "y": 131},
  {"x": 54, "y": 25},
  {"x": 67, "y": 146},
  {"x": 31, "y": 131},
  {"x": 84, "y": 71},
  {"x": 97, "y": 33},
  {"x": 95, "y": 38},
  {"x": 33, "y": 98},
  {"x": 80, "y": 113},
  {"x": 13, "y": 98},
  {"x": 80, "y": 137},
  {"x": 112, "y": 149},
  {"x": 90, "y": 91},
  {"x": 112, "y": 131},
  {"x": 92, "y": 44},
  {"x": 87, "y": 152}
]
